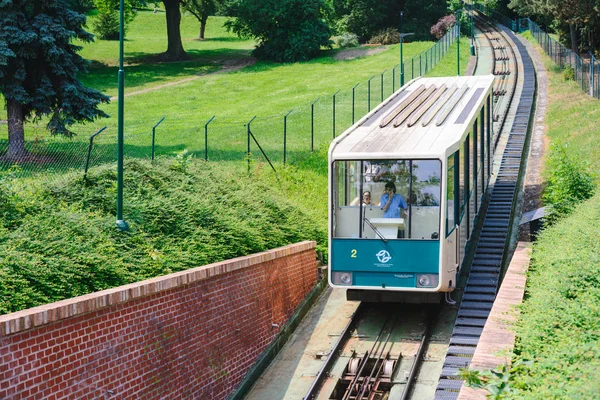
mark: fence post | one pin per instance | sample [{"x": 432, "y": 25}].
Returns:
[
  {"x": 335, "y": 94},
  {"x": 369, "y": 93},
  {"x": 206, "y": 137},
  {"x": 154, "y": 134},
  {"x": 89, "y": 152},
  {"x": 285, "y": 135},
  {"x": 394, "y": 79},
  {"x": 312, "y": 125},
  {"x": 248, "y": 154},
  {"x": 382, "y": 84},
  {"x": 354, "y": 87}
]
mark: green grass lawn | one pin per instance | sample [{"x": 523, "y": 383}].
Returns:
[{"x": 265, "y": 90}]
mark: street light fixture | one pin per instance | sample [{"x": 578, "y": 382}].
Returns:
[
  {"x": 121, "y": 224},
  {"x": 402, "y": 36}
]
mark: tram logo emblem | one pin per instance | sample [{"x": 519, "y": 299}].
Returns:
[{"x": 383, "y": 256}]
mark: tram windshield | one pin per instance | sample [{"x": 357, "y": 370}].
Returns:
[{"x": 371, "y": 199}]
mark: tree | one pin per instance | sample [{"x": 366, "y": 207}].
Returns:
[
  {"x": 286, "y": 30},
  {"x": 201, "y": 9},
  {"x": 107, "y": 22},
  {"x": 39, "y": 67},
  {"x": 175, "y": 49},
  {"x": 367, "y": 17}
]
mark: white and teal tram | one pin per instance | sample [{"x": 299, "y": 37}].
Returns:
[{"x": 424, "y": 157}]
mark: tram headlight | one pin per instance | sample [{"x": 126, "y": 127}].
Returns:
[
  {"x": 342, "y": 278},
  {"x": 427, "y": 280}
]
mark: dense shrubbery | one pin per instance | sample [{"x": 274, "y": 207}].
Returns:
[
  {"x": 59, "y": 240},
  {"x": 386, "y": 36},
  {"x": 346, "y": 40},
  {"x": 286, "y": 31},
  {"x": 106, "y": 24},
  {"x": 443, "y": 25},
  {"x": 569, "y": 183}
]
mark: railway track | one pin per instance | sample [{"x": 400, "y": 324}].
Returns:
[
  {"x": 486, "y": 268},
  {"x": 373, "y": 364},
  {"x": 372, "y": 374}
]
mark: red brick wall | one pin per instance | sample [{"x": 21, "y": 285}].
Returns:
[{"x": 193, "y": 334}]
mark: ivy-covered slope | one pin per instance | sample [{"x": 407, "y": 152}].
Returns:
[{"x": 58, "y": 239}]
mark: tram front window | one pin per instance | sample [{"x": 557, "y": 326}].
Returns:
[{"x": 391, "y": 212}]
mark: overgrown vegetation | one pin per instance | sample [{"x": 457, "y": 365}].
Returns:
[
  {"x": 558, "y": 329},
  {"x": 569, "y": 183},
  {"x": 58, "y": 240}
]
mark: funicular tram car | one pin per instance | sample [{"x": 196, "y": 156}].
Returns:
[{"x": 431, "y": 142}]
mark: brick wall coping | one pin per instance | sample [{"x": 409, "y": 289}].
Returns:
[{"x": 37, "y": 316}]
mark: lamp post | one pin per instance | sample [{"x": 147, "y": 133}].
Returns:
[
  {"x": 472, "y": 30},
  {"x": 402, "y": 36},
  {"x": 121, "y": 224},
  {"x": 458, "y": 43}
]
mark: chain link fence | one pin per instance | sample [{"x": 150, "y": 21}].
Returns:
[
  {"x": 281, "y": 138},
  {"x": 585, "y": 70}
]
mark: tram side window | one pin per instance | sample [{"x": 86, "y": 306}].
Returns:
[
  {"x": 424, "y": 211},
  {"x": 450, "y": 195},
  {"x": 346, "y": 198}
]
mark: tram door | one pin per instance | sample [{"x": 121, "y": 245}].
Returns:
[{"x": 452, "y": 241}]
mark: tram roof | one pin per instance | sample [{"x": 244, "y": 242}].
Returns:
[{"x": 422, "y": 120}]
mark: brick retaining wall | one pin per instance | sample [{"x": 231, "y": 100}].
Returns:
[{"x": 191, "y": 334}]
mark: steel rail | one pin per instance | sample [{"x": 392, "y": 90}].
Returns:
[
  {"x": 419, "y": 356},
  {"x": 376, "y": 345},
  {"x": 379, "y": 358},
  {"x": 332, "y": 356}
]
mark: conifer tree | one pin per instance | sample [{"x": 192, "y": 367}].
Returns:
[{"x": 39, "y": 66}]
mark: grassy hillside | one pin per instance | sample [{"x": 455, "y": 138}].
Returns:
[{"x": 58, "y": 240}]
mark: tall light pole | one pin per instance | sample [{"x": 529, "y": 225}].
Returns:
[
  {"x": 121, "y": 224},
  {"x": 402, "y": 36}
]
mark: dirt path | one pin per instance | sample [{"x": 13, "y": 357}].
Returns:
[
  {"x": 349, "y": 54},
  {"x": 228, "y": 66}
]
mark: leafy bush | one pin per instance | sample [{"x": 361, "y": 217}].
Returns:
[
  {"x": 346, "y": 40},
  {"x": 568, "y": 183},
  {"x": 106, "y": 24},
  {"x": 443, "y": 25},
  {"x": 59, "y": 240},
  {"x": 286, "y": 31},
  {"x": 569, "y": 74},
  {"x": 386, "y": 36}
]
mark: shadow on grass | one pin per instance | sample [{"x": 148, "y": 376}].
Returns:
[{"x": 104, "y": 78}]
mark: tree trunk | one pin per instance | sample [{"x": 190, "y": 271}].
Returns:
[
  {"x": 203, "y": 26},
  {"x": 175, "y": 49},
  {"x": 16, "y": 130},
  {"x": 573, "y": 34}
]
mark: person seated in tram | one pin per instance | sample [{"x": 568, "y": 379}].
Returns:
[
  {"x": 391, "y": 202},
  {"x": 366, "y": 198}
]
